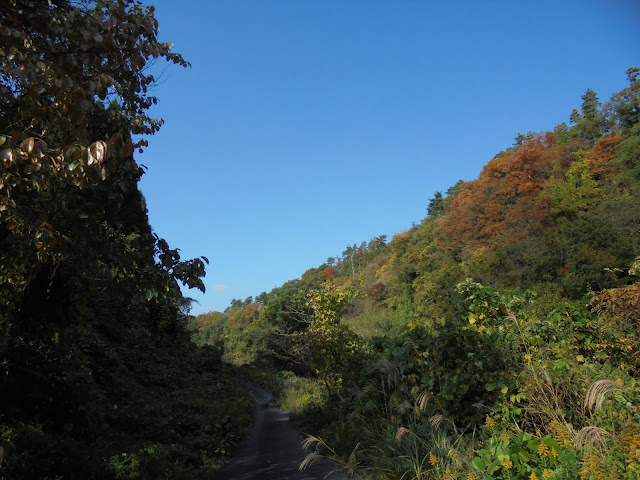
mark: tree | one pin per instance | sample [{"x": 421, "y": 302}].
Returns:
[
  {"x": 81, "y": 273},
  {"x": 59, "y": 58},
  {"x": 577, "y": 194},
  {"x": 590, "y": 123},
  {"x": 436, "y": 205},
  {"x": 331, "y": 349},
  {"x": 73, "y": 94},
  {"x": 624, "y": 106},
  {"x": 523, "y": 137}
]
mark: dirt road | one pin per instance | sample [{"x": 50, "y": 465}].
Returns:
[{"x": 272, "y": 449}]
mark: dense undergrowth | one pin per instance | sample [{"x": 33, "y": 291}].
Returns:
[
  {"x": 98, "y": 376},
  {"x": 496, "y": 339}
]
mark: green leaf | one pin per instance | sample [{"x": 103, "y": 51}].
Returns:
[
  {"x": 495, "y": 465},
  {"x": 478, "y": 464}
]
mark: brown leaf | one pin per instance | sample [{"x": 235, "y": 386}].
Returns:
[
  {"x": 98, "y": 151},
  {"x": 27, "y": 145}
]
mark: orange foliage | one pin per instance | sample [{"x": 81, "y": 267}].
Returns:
[
  {"x": 502, "y": 205},
  {"x": 208, "y": 319},
  {"x": 244, "y": 316},
  {"x": 328, "y": 272},
  {"x": 600, "y": 156},
  {"x": 621, "y": 306}
]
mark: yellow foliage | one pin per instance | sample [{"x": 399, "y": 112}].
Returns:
[
  {"x": 543, "y": 449},
  {"x": 592, "y": 467},
  {"x": 489, "y": 422}
]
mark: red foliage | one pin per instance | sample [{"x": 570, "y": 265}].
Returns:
[{"x": 328, "y": 272}]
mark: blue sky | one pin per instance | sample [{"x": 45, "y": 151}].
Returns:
[{"x": 305, "y": 126}]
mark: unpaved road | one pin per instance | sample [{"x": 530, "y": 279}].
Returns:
[{"x": 272, "y": 449}]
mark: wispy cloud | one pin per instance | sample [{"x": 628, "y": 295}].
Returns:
[{"x": 221, "y": 288}]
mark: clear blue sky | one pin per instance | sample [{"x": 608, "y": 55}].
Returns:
[{"x": 305, "y": 126}]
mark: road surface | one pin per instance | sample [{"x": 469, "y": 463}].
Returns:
[{"x": 272, "y": 449}]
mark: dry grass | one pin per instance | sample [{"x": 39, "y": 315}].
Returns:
[
  {"x": 591, "y": 436},
  {"x": 597, "y": 393}
]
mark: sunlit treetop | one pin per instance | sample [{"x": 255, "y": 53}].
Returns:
[{"x": 59, "y": 57}]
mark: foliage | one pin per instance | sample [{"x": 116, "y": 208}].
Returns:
[
  {"x": 99, "y": 379},
  {"x": 332, "y": 351},
  {"x": 527, "y": 371}
]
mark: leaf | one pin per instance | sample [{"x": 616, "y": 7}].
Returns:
[
  {"x": 127, "y": 149},
  {"x": 27, "y": 145},
  {"x": 7, "y": 156},
  {"x": 98, "y": 151},
  {"x": 495, "y": 465},
  {"x": 478, "y": 464}
]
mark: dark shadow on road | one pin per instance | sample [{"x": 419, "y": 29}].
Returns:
[{"x": 272, "y": 449}]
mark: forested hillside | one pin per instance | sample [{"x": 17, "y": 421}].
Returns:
[
  {"x": 98, "y": 377},
  {"x": 497, "y": 338}
]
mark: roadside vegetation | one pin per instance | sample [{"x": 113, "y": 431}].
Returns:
[{"x": 496, "y": 339}]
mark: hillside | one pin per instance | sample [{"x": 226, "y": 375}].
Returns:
[{"x": 497, "y": 338}]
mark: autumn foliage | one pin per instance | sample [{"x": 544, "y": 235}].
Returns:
[{"x": 503, "y": 205}]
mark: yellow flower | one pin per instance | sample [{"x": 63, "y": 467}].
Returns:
[
  {"x": 453, "y": 453},
  {"x": 554, "y": 453},
  {"x": 506, "y": 463},
  {"x": 546, "y": 474},
  {"x": 533, "y": 476},
  {"x": 471, "y": 476},
  {"x": 563, "y": 436},
  {"x": 591, "y": 465},
  {"x": 489, "y": 422},
  {"x": 543, "y": 449},
  {"x": 432, "y": 459},
  {"x": 527, "y": 359},
  {"x": 504, "y": 436}
]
